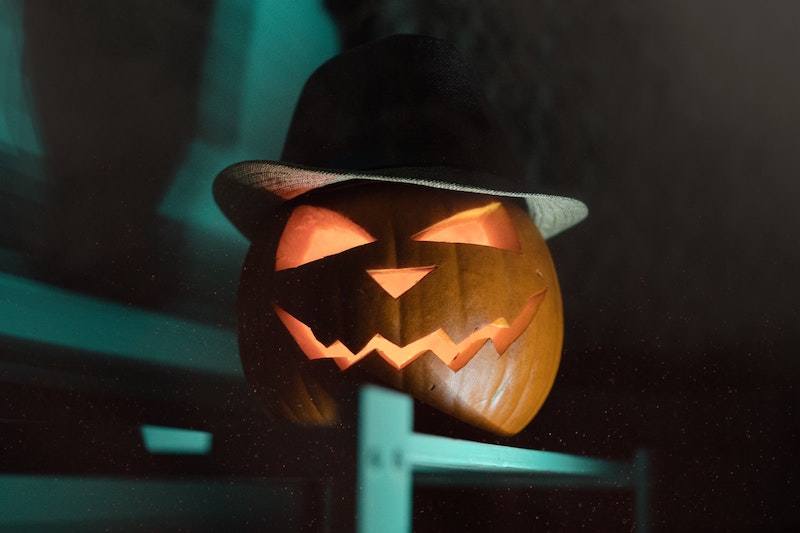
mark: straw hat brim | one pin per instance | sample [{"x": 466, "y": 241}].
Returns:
[{"x": 247, "y": 191}]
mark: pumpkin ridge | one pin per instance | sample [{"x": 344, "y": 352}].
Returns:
[{"x": 459, "y": 286}]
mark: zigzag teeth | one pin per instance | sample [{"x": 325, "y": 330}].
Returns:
[{"x": 456, "y": 356}]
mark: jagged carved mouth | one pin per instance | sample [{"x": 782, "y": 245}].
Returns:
[{"x": 454, "y": 355}]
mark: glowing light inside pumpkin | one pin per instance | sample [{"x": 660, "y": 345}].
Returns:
[
  {"x": 396, "y": 281},
  {"x": 312, "y": 233},
  {"x": 486, "y": 226},
  {"x": 455, "y": 356}
]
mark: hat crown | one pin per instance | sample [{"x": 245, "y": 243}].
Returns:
[
  {"x": 402, "y": 101},
  {"x": 406, "y": 109}
]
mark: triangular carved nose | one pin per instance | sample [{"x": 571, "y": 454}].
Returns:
[{"x": 396, "y": 281}]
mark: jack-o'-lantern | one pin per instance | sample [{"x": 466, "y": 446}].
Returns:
[{"x": 442, "y": 290}]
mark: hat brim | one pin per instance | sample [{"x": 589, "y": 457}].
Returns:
[{"x": 245, "y": 191}]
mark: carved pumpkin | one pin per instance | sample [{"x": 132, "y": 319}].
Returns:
[
  {"x": 379, "y": 254},
  {"x": 450, "y": 296}
]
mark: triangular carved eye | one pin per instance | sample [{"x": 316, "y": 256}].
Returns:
[
  {"x": 312, "y": 233},
  {"x": 485, "y": 226}
]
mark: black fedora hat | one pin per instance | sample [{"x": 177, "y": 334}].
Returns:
[{"x": 406, "y": 109}]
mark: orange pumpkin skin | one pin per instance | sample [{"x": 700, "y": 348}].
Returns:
[{"x": 471, "y": 286}]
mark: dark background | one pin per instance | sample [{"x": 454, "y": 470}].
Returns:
[{"x": 677, "y": 123}]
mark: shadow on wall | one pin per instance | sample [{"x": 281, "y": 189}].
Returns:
[{"x": 115, "y": 88}]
